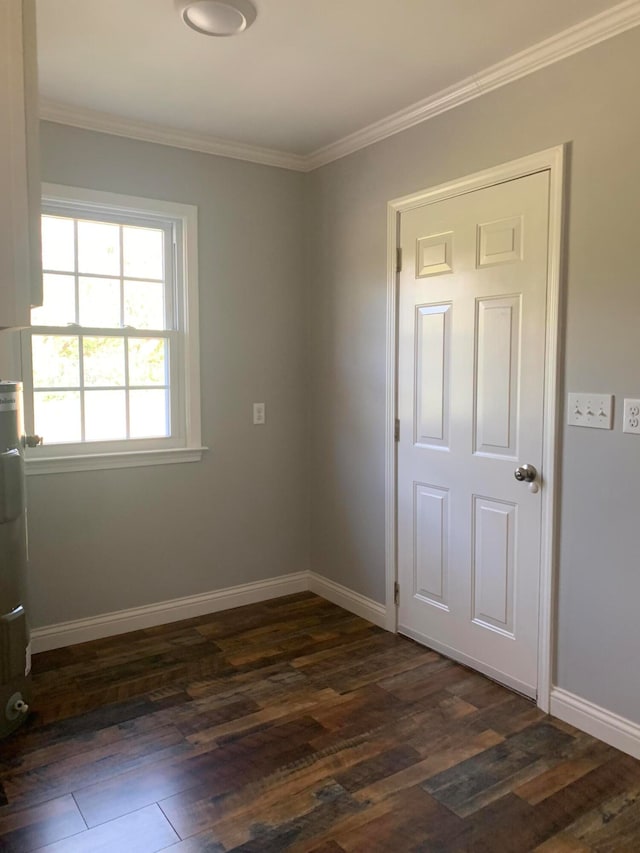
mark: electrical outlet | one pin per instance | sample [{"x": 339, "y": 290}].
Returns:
[
  {"x": 631, "y": 422},
  {"x": 259, "y": 414},
  {"x": 591, "y": 410}
]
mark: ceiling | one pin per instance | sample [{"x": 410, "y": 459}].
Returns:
[{"x": 307, "y": 73}]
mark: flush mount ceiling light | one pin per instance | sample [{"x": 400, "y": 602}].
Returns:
[{"x": 217, "y": 17}]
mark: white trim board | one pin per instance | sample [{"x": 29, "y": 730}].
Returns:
[
  {"x": 611, "y": 728},
  {"x": 116, "y": 125},
  {"x": 612, "y": 22},
  {"x": 162, "y": 613},
  {"x": 566, "y": 43},
  {"x": 551, "y": 160},
  {"x": 346, "y": 598}
]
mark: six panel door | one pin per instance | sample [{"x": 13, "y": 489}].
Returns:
[{"x": 472, "y": 309}]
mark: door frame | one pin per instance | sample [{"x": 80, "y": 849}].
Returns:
[{"x": 552, "y": 160}]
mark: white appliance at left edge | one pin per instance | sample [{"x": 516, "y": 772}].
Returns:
[{"x": 15, "y": 647}]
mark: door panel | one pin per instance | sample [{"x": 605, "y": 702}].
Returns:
[
  {"x": 433, "y": 333},
  {"x": 494, "y": 535},
  {"x": 498, "y": 373},
  {"x": 471, "y": 349},
  {"x": 431, "y": 527}
]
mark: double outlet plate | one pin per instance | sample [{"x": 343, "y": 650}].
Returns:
[
  {"x": 596, "y": 411},
  {"x": 631, "y": 416}
]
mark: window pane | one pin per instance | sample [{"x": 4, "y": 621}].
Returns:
[
  {"x": 143, "y": 252},
  {"x": 98, "y": 248},
  {"x": 59, "y": 304},
  {"x": 57, "y": 416},
  {"x": 104, "y": 415},
  {"x": 148, "y": 361},
  {"x": 56, "y": 361},
  {"x": 103, "y": 361},
  {"x": 99, "y": 302},
  {"x": 144, "y": 305},
  {"x": 149, "y": 414},
  {"x": 58, "y": 252}
]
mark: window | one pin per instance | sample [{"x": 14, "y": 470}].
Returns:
[{"x": 110, "y": 362}]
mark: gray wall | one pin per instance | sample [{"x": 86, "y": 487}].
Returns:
[
  {"x": 108, "y": 540},
  {"x": 590, "y": 100}
]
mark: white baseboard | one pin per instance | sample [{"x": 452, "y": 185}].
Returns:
[
  {"x": 352, "y": 601},
  {"x": 122, "y": 621},
  {"x": 605, "y": 725}
]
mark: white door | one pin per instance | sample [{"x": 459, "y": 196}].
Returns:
[{"x": 471, "y": 352}]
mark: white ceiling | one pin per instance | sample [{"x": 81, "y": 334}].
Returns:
[{"x": 307, "y": 73}]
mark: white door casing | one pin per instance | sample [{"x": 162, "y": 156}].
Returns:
[{"x": 477, "y": 371}]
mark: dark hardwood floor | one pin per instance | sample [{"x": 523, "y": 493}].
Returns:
[{"x": 293, "y": 725}]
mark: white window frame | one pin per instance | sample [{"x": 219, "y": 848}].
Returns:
[{"x": 185, "y": 443}]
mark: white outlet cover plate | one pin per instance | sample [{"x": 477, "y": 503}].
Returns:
[
  {"x": 590, "y": 410},
  {"x": 631, "y": 421}
]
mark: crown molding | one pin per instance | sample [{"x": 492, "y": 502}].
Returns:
[
  {"x": 599, "y": 28},
  {"x": 612, "y": 22},
  {"x": 88, "y": 119}
]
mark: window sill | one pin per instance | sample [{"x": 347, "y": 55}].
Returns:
[{"x": 103, "y": 461}]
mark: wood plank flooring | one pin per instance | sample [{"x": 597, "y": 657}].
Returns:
[{"x": 294, "y": 725}]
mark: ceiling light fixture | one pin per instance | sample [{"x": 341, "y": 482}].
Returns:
[{"x": 217, "y": 17}]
